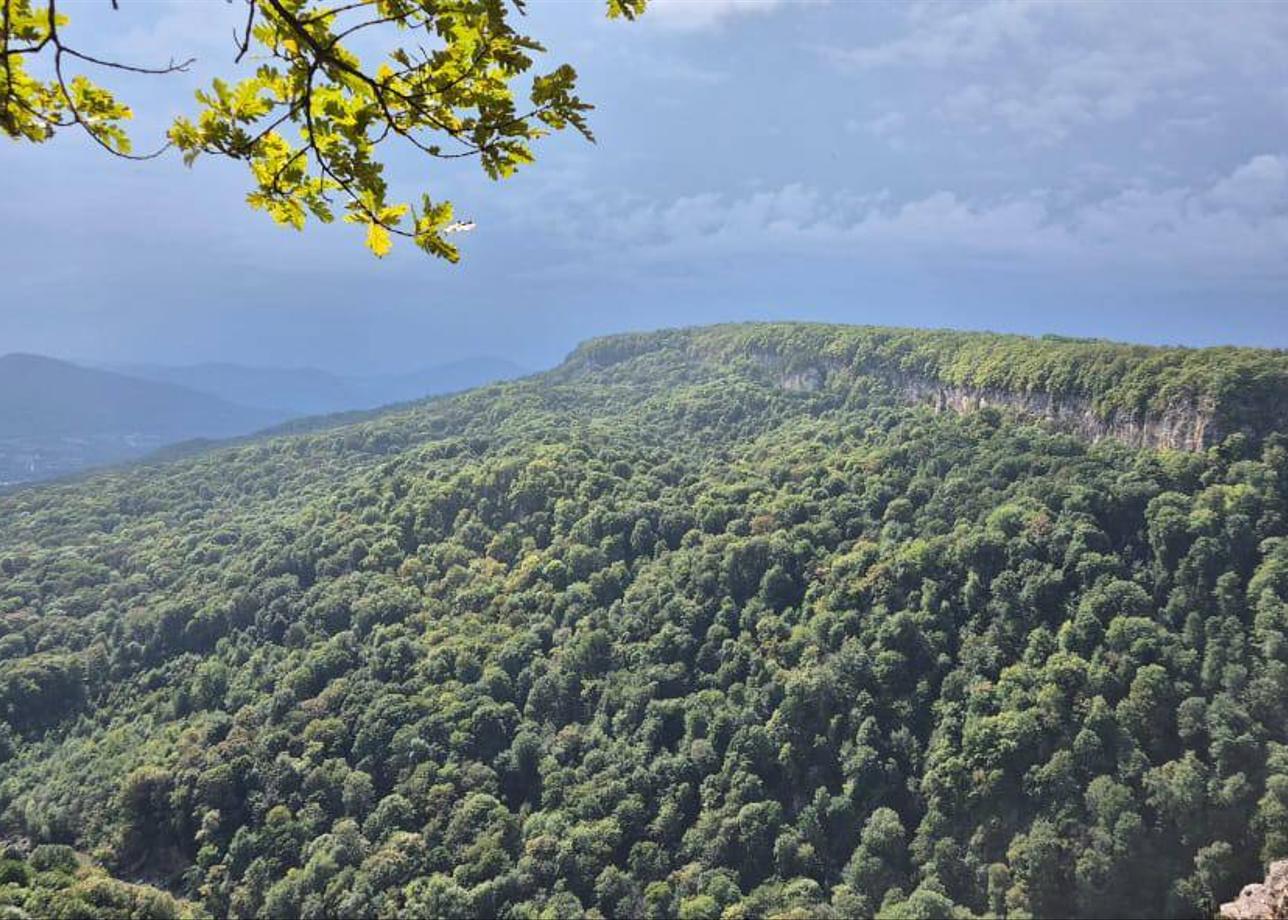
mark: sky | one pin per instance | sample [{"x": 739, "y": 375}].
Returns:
[{"x": 1096, "y": 169}]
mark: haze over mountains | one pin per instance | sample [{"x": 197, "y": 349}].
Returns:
[
  {"x": 57, "y": 417},
  {"x": 310, "y": 391}
]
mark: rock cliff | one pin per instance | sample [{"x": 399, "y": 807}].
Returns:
[
  {"x": 1144, "y": 396},
  {"x": 1191, "y": 425},
  {"x": 1266, "y": 900}
]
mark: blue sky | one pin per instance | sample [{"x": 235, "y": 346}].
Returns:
[{"x": 1116, "y": 170}]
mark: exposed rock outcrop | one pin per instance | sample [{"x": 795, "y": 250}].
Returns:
[
  {"x": 1143, "y": 396},
  {"x": 1266, "y": 900},
  {"x": 1182, "y": 427},
  {"x": 1190, "y": 427}
]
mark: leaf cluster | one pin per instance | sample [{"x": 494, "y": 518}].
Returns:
[{"x": 311, "y": 120}]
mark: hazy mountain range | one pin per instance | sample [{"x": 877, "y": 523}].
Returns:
[
  {"x": 310, "y": 391},
  {"x": 57, "y": 417}
]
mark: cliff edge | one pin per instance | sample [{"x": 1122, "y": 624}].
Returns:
[
  {"x": 1142, "y": 395},
  {"x": 1266, "y": 900}
]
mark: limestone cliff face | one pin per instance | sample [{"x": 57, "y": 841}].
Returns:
[
  {"x": 1142, "y": 396},
  {"x": 1192, "y": 426},
  {"x": 1266, "y": 900},
  {"x": 1183, "y": 427}
]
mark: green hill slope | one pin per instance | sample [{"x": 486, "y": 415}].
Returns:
[
  {"x": 727, "y": 622},
  {"x": 1181, "y": 398}
]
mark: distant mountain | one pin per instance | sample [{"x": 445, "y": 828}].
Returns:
[
  {"x": 57, "y": 417},
  {"x": 304, "y": 390},
  {"x": 309, "y": 391},
  {"x": 42, "y": 396},
  {"x": 463, "y": 374}
]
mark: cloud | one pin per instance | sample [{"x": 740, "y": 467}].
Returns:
[
  {"x": 1259, "y": 186},
  {"x": 886, "y": 125},
  {"x": 1045, "y": 70},
  {"x": 941, "y": 36},
  {"x": 696, "y": 15},
  {"x": 1235, "y": 227}
]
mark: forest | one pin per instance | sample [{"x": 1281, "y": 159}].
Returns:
[{"x": 654, "y": 635}]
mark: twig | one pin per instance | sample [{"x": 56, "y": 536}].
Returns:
[
  {"x": 59, "y": 51},
  {"x": 243, "y": 44}
]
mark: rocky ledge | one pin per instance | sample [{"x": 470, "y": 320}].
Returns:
[
  {"x": 1266, "y": 900},
  {"x": 1144, "y": 396},
  {"x": 1191, "y": 426}
]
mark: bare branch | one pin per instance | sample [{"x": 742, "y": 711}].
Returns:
[
  {"x": 335, "y": 11},
  {"x": 243, "y": 43},
  {"x": 172, "y": 67},
  {"x": 59, "y": 51}
]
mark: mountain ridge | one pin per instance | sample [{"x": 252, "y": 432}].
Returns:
[
  {"x": 57, "y": 417},
  {"x": 663, "y": 632},
  {"x": 38, "y": 401},
  {"x": 1142, "y": 395}
]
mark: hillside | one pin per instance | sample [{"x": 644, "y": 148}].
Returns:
[
  {"x": 736, "y": 621},
  {"x": 57, "y": 417},
  {"x": 1179, "y": 398}
]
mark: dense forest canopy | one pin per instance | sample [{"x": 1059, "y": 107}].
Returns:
[
  {"x": 654, "y": 635},
  {"x": 1246, "y": 386}
]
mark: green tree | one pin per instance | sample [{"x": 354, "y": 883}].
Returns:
[{"x": 457, "y": 99}]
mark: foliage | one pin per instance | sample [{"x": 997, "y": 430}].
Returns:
[
  {"x": 53, "y": 881},
  {"x": 445, "y": 86},
  {"x": 650, "y": 635},
  {"x": 1244, "y": 388}
]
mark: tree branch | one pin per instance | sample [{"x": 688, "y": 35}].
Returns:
[
  {"x": 326, "y": 56},
  {"x": 59, "y": 51},
  {"x": 172, "y": 67},
  {"x": 243, "y": 44}
]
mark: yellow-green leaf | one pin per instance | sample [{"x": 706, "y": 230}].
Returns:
[{"x": 378, "y": 240}]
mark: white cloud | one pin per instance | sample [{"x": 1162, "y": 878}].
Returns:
[
  {"x": 1045, "y": 70},
  {"x": 1259, "y": 186},
  {"x": 889, "y": 127},
  {"x": 886, "y": 125},
  {"x": 1235, "y": 227},
  {"x": 695, "y": 15},
  {"x": 942, "y": 35}
]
